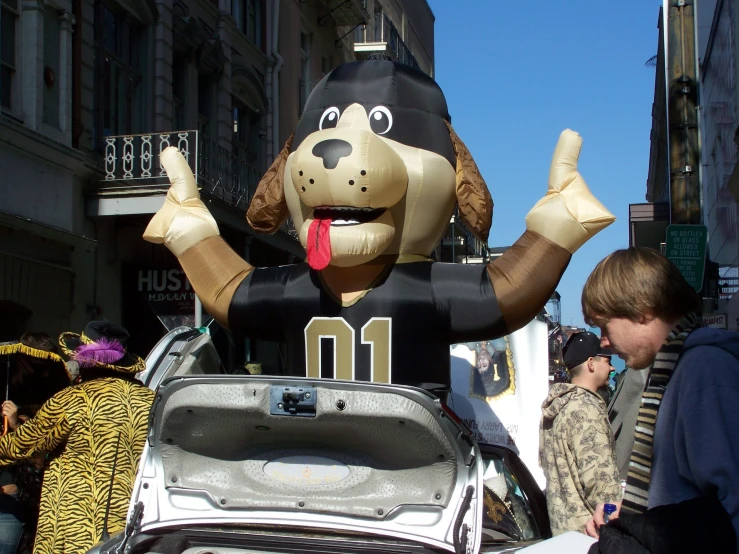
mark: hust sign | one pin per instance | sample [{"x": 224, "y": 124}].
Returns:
[{"x": 167, "y": 291}]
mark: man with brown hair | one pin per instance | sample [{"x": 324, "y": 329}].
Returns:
[
  {"x": 576, "y": 444},
  {"x": 686, "y": 445}
]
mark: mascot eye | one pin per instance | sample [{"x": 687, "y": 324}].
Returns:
[
  {"x": 329, "y": 119},
  {"x": 381, "y": 120}
]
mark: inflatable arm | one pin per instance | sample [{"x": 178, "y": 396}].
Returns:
[
  {"x": 188, "y": 229},
  {"x": 526, "y": 275}
]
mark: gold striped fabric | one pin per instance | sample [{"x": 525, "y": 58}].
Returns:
[
  {"x": 84, "y": 429},
  {"x": 640, "y": 465},
  {"x": 9, "y": 348}
]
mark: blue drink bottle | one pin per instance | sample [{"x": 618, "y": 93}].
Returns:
[{"x": 608, "y": 510}]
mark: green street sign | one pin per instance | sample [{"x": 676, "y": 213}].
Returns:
[{"x": 686, "y": 248}]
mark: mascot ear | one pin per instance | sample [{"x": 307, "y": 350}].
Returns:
[
  {"x": 268, "y": 209},
  {"x": 473, "y": 197}
]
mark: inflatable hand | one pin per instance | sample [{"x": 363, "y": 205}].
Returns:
[
  {"x": 569, "y": 214},
  {"x": 184, "y": 220}
]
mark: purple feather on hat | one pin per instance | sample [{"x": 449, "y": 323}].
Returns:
[{"x": 103, "y": 351}]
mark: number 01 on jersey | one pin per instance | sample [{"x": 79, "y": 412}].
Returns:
[{"x": 376, "y": 334}]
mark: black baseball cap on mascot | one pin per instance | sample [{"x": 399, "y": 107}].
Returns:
[
  {"x": 582, "y": 346},
  {"x": 417, "y": 107}
]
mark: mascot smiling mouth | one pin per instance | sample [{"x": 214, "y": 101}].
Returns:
[
  {"x": 346, "y": 215},
  {"x": 315, "y": 234},
  {"x": 339, "y": 235}
]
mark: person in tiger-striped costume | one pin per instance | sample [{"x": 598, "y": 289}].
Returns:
[{"x": 86, "y": 430}]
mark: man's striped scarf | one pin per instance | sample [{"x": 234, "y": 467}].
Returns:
[{"x": 640, "y": 465}]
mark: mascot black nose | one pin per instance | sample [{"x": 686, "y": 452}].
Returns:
[{"x": 331, "y": 151}]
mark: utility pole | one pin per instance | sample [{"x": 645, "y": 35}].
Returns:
[
  {"x": 686, "y": 238},
  {"x": 682, "y": 112}
]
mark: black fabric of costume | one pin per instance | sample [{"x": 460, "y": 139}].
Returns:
[{"x": 430, "y": 306}]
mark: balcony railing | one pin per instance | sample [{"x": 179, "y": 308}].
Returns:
[
  {"x": 727, "y": 287},
  {"x": 477, "y": 248},
  {"x": 384, "y": 31},
  {"x": 473, "y": 246},
  {"x": 133, "y": 161},
  {"x": 462, "y": 242}
]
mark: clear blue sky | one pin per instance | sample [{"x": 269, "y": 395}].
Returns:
[{"x": 515, "y": 74}]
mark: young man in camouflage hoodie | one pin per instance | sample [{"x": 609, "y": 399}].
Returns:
[{"x": 576, "y": 443}]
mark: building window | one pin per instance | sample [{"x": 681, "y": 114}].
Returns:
[
  {"x": 305, "y": 84},
  {"x": 8, "y": 20},
  {"x": 360, "y": 34},
  {"x": 246, "y": 138},
  {"x": 179, "y": 90},
  {"x": 246, "y": 147},
  {"x": 248, "y": 16},
  {"x": 119, "y": 46},
  {"x": 327, "y": 64},
  {"x": 178, "y": 113},
  {"x": 379, "y": 35},
  {"x": 52, "y": 46},
  {"x": 237, "y": 11},
  {"x": 205, "y": 106}
]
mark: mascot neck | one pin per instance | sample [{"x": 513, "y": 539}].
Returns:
[{"x": 347, "y": 283}]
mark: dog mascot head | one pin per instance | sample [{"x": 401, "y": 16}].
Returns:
[{"x": 373, "y": 169}]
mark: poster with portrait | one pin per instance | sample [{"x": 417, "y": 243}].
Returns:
[
  {"x": 498, "y": 387},
  {"x": 496, "y": 374}
]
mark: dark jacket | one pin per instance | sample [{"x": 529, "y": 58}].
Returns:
[
  {"x": 696, "y": 437},
  {"x": 697, "y": 525}
]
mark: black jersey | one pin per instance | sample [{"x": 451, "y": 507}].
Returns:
[{"x": 398, "y": 332}]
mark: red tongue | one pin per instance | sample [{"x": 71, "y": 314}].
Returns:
[{"x": 319, "y": 243}]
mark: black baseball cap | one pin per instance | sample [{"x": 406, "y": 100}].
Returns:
[{"x": 582, "y": 346}]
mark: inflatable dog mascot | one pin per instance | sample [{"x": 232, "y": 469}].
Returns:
[{"x": 371, "y": 177}]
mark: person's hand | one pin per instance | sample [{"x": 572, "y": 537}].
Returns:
[
  {"x": 9, "y": 489},
  {"x": 10, "y": 410},
  {"x": 594, "y": 523}
]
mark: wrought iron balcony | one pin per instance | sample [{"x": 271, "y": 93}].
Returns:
[
  {"x": 728, "y": 286},
  {"x": 477, "y": 248},
  {"x": 461, "y": 243},
  {"x": 383, "y": 36},
  {"x": 133, "y": 162}
]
